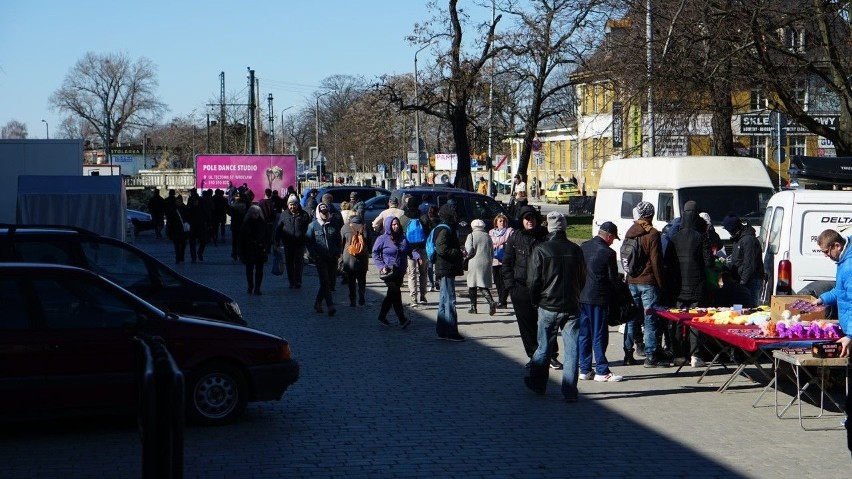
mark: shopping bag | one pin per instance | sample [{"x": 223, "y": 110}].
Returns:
[{"x": 277, "y": 262}]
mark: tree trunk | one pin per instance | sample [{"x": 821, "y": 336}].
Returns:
[
  {"x": 723, "y": 111},
  {"x": 463, "y": 179}
]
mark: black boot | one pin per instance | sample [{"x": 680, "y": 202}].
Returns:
[
  {"x": 629, "y": 360},
  {"x": 492, "y": 306},
  {"x": 472, "y": 295}
]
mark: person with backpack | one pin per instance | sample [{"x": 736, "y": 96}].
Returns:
[
  {"x": 448, "y": 258},
  {"x": 414, "y": 225},
  {"x": 389, "y": 255},
  {"x": 431, "y": 221},
  {"x": 642, "y": 260},
  {"x": 356, "y": 258}
]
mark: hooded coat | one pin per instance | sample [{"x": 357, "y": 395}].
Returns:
[
  {"x": 480, "y": 253},
  {"x": 690, "y": 253},
  {"x": 649, "y": 241},
  {"x": 448, "y": 254},
  {"x": 746, "y": 257},
  {"x": 391, "y": 250}
]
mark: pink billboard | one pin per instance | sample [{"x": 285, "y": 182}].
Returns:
[{"x": 259, "y": 172}]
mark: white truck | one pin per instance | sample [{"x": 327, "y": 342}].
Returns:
[
  {"x": 792, "y": 222},
  {"x": 719, "y": 184}
]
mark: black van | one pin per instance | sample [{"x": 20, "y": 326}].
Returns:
[{"x": 119, "y": 262}]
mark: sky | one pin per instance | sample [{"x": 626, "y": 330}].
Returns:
[{"x": 291, "y": 45}]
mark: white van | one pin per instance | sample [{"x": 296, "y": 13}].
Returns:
[
  {"x": 793, "y": 221},
  {"x": 719, "y": 185}
]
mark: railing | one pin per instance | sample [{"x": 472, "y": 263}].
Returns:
[{"x": 178, "y": 179}]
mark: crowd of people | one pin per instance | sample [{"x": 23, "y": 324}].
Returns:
[{"x": 554, "y": 284}]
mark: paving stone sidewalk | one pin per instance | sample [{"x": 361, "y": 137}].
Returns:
[{"x": 382, "y": 402}]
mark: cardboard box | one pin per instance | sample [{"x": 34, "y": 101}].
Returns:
[{"x": 781, "y": 303}]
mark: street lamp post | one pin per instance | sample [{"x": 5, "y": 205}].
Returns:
[
  {"x": 46, "y": 129},
  {"x": 316, "y": 123},
  {"x": 417, "y": 116}
]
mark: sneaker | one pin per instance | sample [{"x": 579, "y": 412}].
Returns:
[
  {"x": 697, "y": 362},
  {"x": 458, "y": 338},
  {"x": 658, "y": 363},
  {"x": 413, "y": 305},
  {"x": 555, "y": 364},
  {"x": 649, "y": 363},
  {"x": 586, "y": 376},
  {"x": 384, "y": 321},
  {"x": 431, "y": 289},
  {"x": 679, "y": 361},
  {"x": 423, "y": 300},
  {"x": 609, "y": 378},
  {"x": 405, "y": 323}
]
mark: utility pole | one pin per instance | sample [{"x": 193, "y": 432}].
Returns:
[
  {"x": 252, "y": 107},
  {"x": 271, "y": 118},
  {"x": 222, "y": 112}
]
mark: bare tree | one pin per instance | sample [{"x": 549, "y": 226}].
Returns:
[
  {"x": 14, "y": 130},
  {"x": 112, "y": 93},
  {"x": 548, "y": 42}
]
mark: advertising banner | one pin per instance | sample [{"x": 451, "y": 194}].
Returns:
[{"x": 258, "y": 172}]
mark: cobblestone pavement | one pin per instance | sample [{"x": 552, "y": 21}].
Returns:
[{"x": 376, "y": 402}]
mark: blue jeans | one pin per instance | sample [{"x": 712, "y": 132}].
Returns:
[
  {"x": 593, "y": 338},
  {"x": 646, "y": 297},
  {"x": 548, "y": 327},
  {"x": 448, "y": 320}
]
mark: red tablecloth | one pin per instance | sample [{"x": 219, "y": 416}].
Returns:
[{"x": 743, "y": 337}]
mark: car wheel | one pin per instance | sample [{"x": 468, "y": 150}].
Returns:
[{"x": 216, "y": 394}]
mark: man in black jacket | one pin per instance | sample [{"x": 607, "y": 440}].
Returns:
[
  {"x": 557, "y": 274},
  {"x": 290, "y": 231},
  {"x": 746, "y": 259},
  {"x": 518, "y": 249},
  {"x": 448, "y": 265},
  {"x": 600, "y": 291}
]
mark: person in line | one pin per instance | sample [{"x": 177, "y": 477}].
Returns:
[
  {"x": 519, "y": 247},
  {"x": 254, "y": 247},
  {"x": 416, "y": 234},
  {"x": 448, "y": 265},
  {"x": 311, "y": 202},
  {"x": 389, "y": 255},
  {"x": 267, "y": 207},
  {"x": 355, "y": 265},
  {"x": 392, "y": 210},
  {"x": 220, "y": 210},
  {"x": 599, "y": 292},
  {"x": 836, "y": 247},
  {"x": 746, "y": 259},
  {"x": 556, "y": 276},
  {"x": 176, "y": 217},
  {"x": 325, "y": 243},
  {"x": 335, "y": 215},
  {"x": 291, "y": 233},
  {"x": 646, "y": 287},
  {"x": 156, "y": 208},
  {"x": 480, "y": 255},
  {"x": 500, "y": 234},
  {"x": 689, "y": 254}
]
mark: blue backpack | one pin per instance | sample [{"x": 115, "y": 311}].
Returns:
[
  {"x": 430, "y": 243},
  {"x": 414, "y": 233}
]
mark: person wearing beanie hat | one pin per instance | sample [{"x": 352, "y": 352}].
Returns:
[
  {"x": 516, "y": 255},
  {"x": 746, "y": 259},
  {"x": 356, "y": 204},
  {"x": 325, "y": 245},
  {"x": 645, "y": 287},
  {"x": 448, "y": 265},
  {"x": 556, "y": 276},
  {"x": 355, "y": 265},
  {"x": 290, "y": 234}
]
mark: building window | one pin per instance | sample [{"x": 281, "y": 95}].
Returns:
[
  {"x": 757, "y": 100},
  {"x": 800, "y": 93},
  {"x": 758, "y": 148},
  {"x": 796, "y": 146},
  {"x": 562, "y": 155}
]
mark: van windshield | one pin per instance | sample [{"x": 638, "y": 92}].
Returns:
[{"x": 748, "y": 202}]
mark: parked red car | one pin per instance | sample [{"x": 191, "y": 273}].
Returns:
[{"x": 67, "y": 347}]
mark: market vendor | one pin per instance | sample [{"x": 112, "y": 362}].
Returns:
[{"x": 835, "y": 246}]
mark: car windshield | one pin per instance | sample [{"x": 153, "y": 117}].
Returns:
[{"x": 748, "y": 202}]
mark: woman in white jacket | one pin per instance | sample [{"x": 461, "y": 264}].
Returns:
[{"x": 480, "y": 254}]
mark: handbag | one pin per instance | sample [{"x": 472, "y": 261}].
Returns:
[
  {"x": 277, "y": 262},
  {"x": 392, "y": 273},
  {"x": 624, "y": 310},
  {"x": 499, "y": 253}
]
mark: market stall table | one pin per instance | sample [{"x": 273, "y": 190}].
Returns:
[{"x": 742, "y": 344}]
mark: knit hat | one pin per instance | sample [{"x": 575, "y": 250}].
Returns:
[
  {"x": 556, "y": 222},
  {"x": 643, "y": 210},
  {"x": 322, "y": 208},
  {"x": 478, "y": 225},
  {"x": 292, "y": 199},
  {"x": 732, "y": 223}
]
